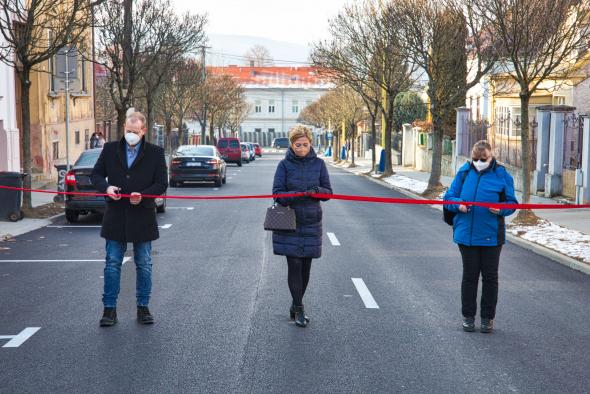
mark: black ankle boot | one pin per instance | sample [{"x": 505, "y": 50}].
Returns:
[
  {"x": 109, "y": 317},
  {"x": 144, "y": 316},
  {"x": 469, "y": 324},
  {"x": 487, "y": 325},
  {"x": 300, "y": 317},
  {"x": 292, "y": 313}
]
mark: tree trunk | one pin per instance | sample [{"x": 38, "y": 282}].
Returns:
[
  {"x": 525, "y": 216},
  {"x": 211, "y": 132},
  {"x": 434, "y": 185},
  {"x": 373, "y": 141},
  {"x": 25, "y": 86},
  {"x": 180, "y": 130},
  {"x": 121, "y": 118},
  {"x": 352, "y": 144},
  {"x": 388, "y": 129},
  {"x": 150, "y": 117}
]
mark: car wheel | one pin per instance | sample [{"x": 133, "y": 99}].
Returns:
[
  {"x": 172, "y": 183},
  {"x": 218, "y": 182},
  {"x": 224, "y": 181},
  {"x": 72, "y": 216}
]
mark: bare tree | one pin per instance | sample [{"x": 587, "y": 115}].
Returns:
[
  {"x": 127, "y": 62},
  {"x": 185, "y": 90},
  {"x": 363, "y": 53},
  {"x": 258, "y": 56},
  {"x": 172, "y": 39},
  {"x": 238, "y": 113},
  {"x": 539, "y": 40},
  {"x": 34, "y": 31},
  {"x": 447, "y": 40}
]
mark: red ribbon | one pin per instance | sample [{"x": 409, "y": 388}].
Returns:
[{"x": 384, "y": 200}]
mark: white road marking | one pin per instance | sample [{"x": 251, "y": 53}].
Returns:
[
  {"x": 215, "y": 189},
  {"x": 333, "y": 239},
  {"x": 19, "y": 339},
  {"x": 365, "y": 294},
  {"x": 125, "y": 259},
  {"x": 187, "y": 208},
  {"x": 166, "y": 226}
]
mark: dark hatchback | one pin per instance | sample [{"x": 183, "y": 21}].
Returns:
[
  {"x": 78, "y": 180},
  {"x": 197, "y": 163}
]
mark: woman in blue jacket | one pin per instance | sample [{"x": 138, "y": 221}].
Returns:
[
  {"x": 480, "y": 232},
  {"x": 301, "y": 171}
]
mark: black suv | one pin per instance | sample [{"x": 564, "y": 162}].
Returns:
[{"x": 78, "y": 180}]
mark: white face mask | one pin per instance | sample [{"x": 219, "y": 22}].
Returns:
[
  {"x": 132, "y": 139},
  {"x": 480, "y": 166}
]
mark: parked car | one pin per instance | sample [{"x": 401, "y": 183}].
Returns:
[
  {"x": 257, "y": 150},
  {"x": 230, "y": 150},
  {"x": 245, "y": 152},
  {"x": 78, "y": 180},
  {"x": 280, "y": 143},
  {"x": 197, "y": 163},
  {"x": 252, "y": 151}
]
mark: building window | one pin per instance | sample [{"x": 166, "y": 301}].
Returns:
[
  {"x": 508, "y": 121},
  {"x": 271, "y": 130},
  {"x": 87, "y": 138},
  {"x": 258, "y": 130},
  {"x": 307, "y": 103},
  {"x": 77, "y": 137},
  {"x": 56, "y": 150},
  {"x": 295, "y": 107},
  {"x": 558, "y": 100},
  {"x": 258, "y": 107},
  {"x": 271, "y": 106}
]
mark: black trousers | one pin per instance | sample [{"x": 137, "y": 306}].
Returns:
[
  {"x": 298, "y": 277},
  {"x": 478, "y": 260}
]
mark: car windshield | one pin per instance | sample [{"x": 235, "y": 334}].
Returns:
[
  {"x": 244, "y": 148},
  {"x": 88, "y": 159},
  {"x": 196, "y": 151},
  {"x": 222, "y": 144},
  {"x": 234, "y": 144}
]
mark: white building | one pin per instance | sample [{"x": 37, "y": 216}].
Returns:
[
  {"x": 277, "y": 95},
  {"x": 9, "y": 134}
]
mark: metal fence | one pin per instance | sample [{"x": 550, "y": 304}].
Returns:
[
  {"x": 573, "y": 133},
  {"x": 506, "y": 140}
]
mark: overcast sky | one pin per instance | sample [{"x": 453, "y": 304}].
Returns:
[{"x": 300, "y": 21}]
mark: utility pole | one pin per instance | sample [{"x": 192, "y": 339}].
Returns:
[
  {"x": 127, "y": 50},
  {"x": 203, "y": 79}
]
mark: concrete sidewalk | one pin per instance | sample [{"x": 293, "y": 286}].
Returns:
[{"x": 12, "y": 229}]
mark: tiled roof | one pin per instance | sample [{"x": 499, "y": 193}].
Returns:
[{"x": 273, "y": 76}]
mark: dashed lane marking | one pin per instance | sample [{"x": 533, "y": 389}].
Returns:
[
  {"x": 365, "y": 294},
  {"x": 333, "y": 239}
]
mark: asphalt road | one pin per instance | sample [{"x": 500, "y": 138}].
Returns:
[{"x": 221, "y": 302}]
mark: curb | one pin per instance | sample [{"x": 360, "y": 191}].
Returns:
[{"x": 523, "y": 243}]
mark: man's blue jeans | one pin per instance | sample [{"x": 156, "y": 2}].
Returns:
[{"x": 142, "y": 255}]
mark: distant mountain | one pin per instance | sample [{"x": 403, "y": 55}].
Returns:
[{"x": 230, "y": 49}]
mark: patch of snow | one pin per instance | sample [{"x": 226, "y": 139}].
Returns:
[
  {"x": 407, "y": 183},
  {"x": 569, "y": 242}
]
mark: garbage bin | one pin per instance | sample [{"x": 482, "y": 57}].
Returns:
[{"x": 10, "y": 200}]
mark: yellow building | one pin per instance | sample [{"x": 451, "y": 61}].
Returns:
[{"x": 48, "y": 115}]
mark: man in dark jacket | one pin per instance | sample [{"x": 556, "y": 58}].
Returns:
[{"x": 133, "y": 167}]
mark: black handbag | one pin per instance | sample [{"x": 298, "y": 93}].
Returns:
[{"x": 280, "y": 218}]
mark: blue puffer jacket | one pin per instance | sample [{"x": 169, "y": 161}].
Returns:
[
  {"x": 300, "y": 174},
  {"x": 480, "y": 227}
]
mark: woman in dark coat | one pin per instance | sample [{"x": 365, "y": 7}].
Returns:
[
  {"x": 301, "y": 171},
  {"x": 480, "y": 232}
]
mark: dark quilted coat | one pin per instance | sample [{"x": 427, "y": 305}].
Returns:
[{"x": 300, "y": 174}]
